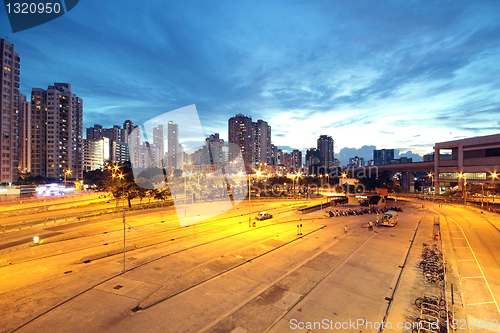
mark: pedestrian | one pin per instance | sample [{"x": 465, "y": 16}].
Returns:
[
  {"x": 370, "y": 226},
  {"x": 345, "y": 230}
]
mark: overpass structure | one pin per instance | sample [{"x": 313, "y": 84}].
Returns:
[{"x": 458, "y": 162}]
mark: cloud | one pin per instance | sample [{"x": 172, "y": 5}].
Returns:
[
  {"x": 345, "y": 153},
  {"x": 388, "y": 75},
  {"x": 409, "y": 154}
]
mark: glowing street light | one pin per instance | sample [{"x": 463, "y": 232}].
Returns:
[
  {"x": 66, "y": 173},
  {"x": 430, "y": 175}
]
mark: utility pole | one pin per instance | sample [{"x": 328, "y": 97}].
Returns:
[
  {"x": 249, "y": 202},
  {"x": 124, "y": 239}
]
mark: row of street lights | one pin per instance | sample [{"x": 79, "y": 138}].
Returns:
[{"x": 463, "y": 176}]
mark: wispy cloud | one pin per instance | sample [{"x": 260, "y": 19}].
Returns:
[{"x": 364, "y": 72}]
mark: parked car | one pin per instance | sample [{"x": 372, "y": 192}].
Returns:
[{"x": 263, "y": 216}]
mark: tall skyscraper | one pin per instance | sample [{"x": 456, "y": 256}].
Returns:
[
  {"x": 261, "y": 143},
  {"x": 296, "y": 160},
  {"x": 128, "y": 126},
  {"x": 240, "y": 134},
  {"x": 56, "y": 132},
  {"x": 159, "y": 140},
  {"x": 94, "y": 133},
  {"x": 326, "y": 156},
  {"x": 9, "y": 85},
  {"x": 253, "y": 140},
  {"x": 213, "y": 152},
  {"x": 287, "y": 160},
  {"x": 173, "y": 160},
  {"x": 274, "y": 155},
  {"x": 38, "y": 141},
  {"x": 312, "y": 157},
  {"x": 383, "y": 156},
  {"x": 135, "y": 147},
  {"x": 24, "y": 136}
]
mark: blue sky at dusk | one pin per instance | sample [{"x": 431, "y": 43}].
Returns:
[{"x": 390, "y": 74}]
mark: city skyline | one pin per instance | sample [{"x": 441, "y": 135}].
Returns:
[{"x": 408, "y": 75}]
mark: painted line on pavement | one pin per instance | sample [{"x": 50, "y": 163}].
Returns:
[
  {"x": 470, "y": 277},
  {"x": 478, "y": 265},
  {"x": 465, "y": 260},
  {"x": 481, "y": 303}
]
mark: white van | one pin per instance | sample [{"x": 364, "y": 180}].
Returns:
[{"x": 389, "y": 219}]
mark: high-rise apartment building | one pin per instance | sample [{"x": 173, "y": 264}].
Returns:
[
  {"x": 128, "y": 125},
  {"x": 116, "y": 133},
  {"x": 287, "y": 160},
  {"x": 253, "y": 140},
  {"x": 326, "y": 155},
  {"x": 240, "y": 134},
  {"x": 95, "y": 152},
  {"x": 383, "y": 156},
  {"x": 135, "y": 150},
  {"x": 297, "y": 160},
  {"x": 213, "y": 150},
  {"x": 312, "y": 157},
  {"x": 261, "y": 143},
  {"x": 94, "y": 133},
  {"x": 24, "y": 136},
  {"x": 159, "y": 140},
  {"x": 10, "y": 70},
  {"x": 173, "y": 160},
  {"x": 56, "y": 132},
  {"x": 356, "y": 162}
]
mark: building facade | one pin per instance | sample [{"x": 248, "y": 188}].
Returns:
[
  {"x": 56, "y": 133},
  {"x": 261, "y": 142},
  {"x": 296, "y": 160},
  {"x": 10, "y": 71},
  {"x": 383, "y": 156},
  {"x": 24, "y": 136},
  {"x": 356, "y": 162},
  {"x": 326, "y": 154},
  {"x": 159, "y": 140},
  {"x": 173, "y": 160},
  {"x": 252, "y": 139},
  {"x": 312, "y": 157},
  {"x": 240, "y": 135}
]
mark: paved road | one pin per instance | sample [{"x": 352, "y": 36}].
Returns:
[
  {"x": 269, "y": 256},
  {"x": 476, "y": 243}
]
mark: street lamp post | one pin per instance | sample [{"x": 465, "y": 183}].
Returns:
[
  {"x": 432, "y": 181},
  {"x": 494, "y": 176},
  {"x": 462, "y": 175},
  {"x": 123, "y": 187},
  {"x": 482, "y": 194},
  {"x": 249, "y": 201}
]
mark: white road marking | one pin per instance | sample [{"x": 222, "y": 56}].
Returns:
[
  {"x": 477, "y": 262},
  {"x": 471, "y": 277},
  {"x": 480, "y": 303}
]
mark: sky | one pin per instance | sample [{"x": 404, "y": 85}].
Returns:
[{"x": 390, "y": 74}]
